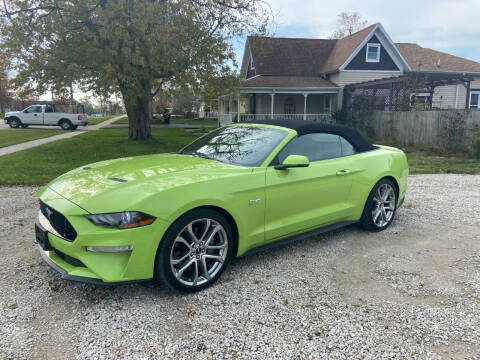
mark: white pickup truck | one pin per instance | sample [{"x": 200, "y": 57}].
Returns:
[{"x": 44, "y": 115}]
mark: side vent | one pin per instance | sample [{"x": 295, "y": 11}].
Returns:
[{"x": 117, "y": 179}]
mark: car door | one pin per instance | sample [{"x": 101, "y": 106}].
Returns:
[
  {"x": 50, "y": 117},
  {"x": 32, "y": 115},
  {"x": 300, "y": 199}
]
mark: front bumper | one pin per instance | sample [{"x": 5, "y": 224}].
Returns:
[
  {"x": 75, "y": 262},
  {"x": 49, "y": 259}
]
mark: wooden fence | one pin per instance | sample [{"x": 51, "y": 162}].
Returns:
[{"x": 424, "y": 128}]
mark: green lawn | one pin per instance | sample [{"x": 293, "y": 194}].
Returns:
[
  {"x": 420, "y": 163},
  {"x": 16, "y": 136},
  {"x": 98, "y": 120},
  {"x": 41, "y": 164},
  {"x": 124, "y": 120}
]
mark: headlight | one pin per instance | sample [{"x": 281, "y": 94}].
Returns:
[{"x": 122, "y": 220}]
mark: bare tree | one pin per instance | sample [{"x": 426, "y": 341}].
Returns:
[{"x": 348, "y": 23}]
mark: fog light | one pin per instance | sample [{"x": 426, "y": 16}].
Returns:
[{"x": 110, "y": 249}]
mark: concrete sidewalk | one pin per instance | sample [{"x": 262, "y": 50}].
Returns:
[{"x": 30, "y": 144}]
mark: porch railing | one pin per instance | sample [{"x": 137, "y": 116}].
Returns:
[
  {"x": 325, "y": 118},
  {"x": 211, "y": 115}
]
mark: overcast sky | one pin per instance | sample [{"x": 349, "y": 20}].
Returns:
[{"x": 452, "y": 26}]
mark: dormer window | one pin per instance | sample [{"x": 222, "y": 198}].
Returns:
[{"x": 373, "y": 53}]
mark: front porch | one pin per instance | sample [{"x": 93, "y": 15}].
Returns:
[{"x": 252, "y": 105}]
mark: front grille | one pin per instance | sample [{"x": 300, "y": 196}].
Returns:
[{"x": 58, "y": 222}]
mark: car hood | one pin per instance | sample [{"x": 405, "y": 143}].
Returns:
[
  {"x": 10, "y": 113},
  {"x": 115, "y": 185}
]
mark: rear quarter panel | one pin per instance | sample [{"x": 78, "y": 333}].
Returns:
[{"x": 370, "y": 167}]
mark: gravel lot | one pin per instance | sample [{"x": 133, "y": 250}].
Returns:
[{"x": 411, "y": 292}]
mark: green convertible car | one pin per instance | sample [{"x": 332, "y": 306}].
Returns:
[{"x": 241, "y": 188}]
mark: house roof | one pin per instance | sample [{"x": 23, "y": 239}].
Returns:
[
  {"x": 344, "y": 48},
  {"x": 296, "y": 62},
  {"x": 424, "y": 59},
  {"x": 289, "y": 56},
  {"x": 287, "y": 81},
  {"x": 302, "y": 57}
]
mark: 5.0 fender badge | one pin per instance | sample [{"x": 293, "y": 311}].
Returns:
[{"x": 255, "y": 202}]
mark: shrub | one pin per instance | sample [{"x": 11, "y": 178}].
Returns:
[{"x": 476, "y": 148}]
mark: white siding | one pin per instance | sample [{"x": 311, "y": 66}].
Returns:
[
  {"x": 343, "y": 78},
  {"x": 444, "y": 96}
]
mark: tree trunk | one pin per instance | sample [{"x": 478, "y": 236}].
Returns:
[
  {"x": 139, "y": 110},
  {"x": 71, "y": 97}
]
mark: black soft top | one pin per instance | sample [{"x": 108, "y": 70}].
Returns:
[{"x": 303, "y": 127}]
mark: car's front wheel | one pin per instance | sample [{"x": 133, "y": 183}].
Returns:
[
  {"x": 14, "y": 123},
  {"x": 195, "y": 250},
  {"x": 381, "y": 206}
]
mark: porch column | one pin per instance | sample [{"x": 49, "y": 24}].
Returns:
[
  {"x": 238, "y": 108},
  {"x": 272, "y": 103},
  {"x": 467, "y": 103},
  {"x": 305, "y": 106}
]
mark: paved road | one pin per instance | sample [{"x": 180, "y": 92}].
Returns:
[{"x": 30, "y": 144}]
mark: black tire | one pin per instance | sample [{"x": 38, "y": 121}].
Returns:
[
  {"x": 14, "y": 123},
  {"x": 24, "y": 126},
  {"x": 372, "y": 209},
  {"x": 65, "y": 124},
  {"x": 74, "y": 127},
  {"x": 169, "y": 248}
]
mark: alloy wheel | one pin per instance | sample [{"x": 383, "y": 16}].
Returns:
[
  {"x": 383, "y": 205},
  {"x": 199, "y": 252}
]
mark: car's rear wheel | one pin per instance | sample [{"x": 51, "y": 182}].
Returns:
[
  {"x": 195, "y": 250},
  {"x": 66, "y": 124},
  {"x": 381, "y": 206},
  {"x": 24, "y": 126},
  {"x": 14, "y": 123}
]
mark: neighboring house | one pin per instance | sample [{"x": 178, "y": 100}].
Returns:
[{"x": 307, "y": 78}]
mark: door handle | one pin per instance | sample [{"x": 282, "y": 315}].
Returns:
[
  {"x": 343, "y": 172},
  {"x": 34, "y": 114}
]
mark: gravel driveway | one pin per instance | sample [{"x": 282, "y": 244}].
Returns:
[{"x": 411, "y": 292}]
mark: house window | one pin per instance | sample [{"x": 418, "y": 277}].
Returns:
[
  {"x": 475, "y": 100},
  {"x": 326, "y": 104},
  {"x": 373, "y": 53},
  {"x": 252, "y": 66},
  {"x": 419, "y": 101},
  {"x": 289, "y": 106}
]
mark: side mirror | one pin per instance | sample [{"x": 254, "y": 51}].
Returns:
[{"x": 293, "y": 161}]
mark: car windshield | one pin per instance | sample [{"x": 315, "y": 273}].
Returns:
[{"x": 237, "y": 145}]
